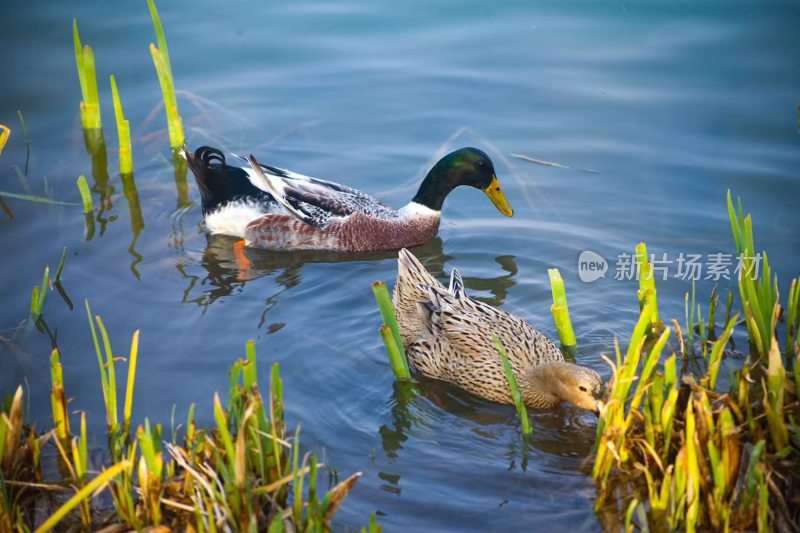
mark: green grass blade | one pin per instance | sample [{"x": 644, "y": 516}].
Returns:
[
  {"x": 395, "y": 357},
  {"x": 60, "y": 265},
  {"x": 5, "y": 132},
  {"x": 222, "y": 426},
  {"x": 43, "y": 291},
  {"x": 735, "y": 226},
  {"x": 98, "y": 351},
  {"x": 132, "y": 360},
  {"x": 516, "y": 396},
  {"x": 123, "y": 132},
  {"x": 58, "y": 400},
  {"x": 559, "y": 309},
  {"x": 34, "y": 198},
  {"x": 111, "y": 406},
  {"x": 84, "y": 59},
  {"x": 95, "y": 485},
  {"x": 715, "y": 360},
  {"x": 389, "y": 317},
  {"x": 160, "y": 37},
  {"x": 250, "y": 374},
  {"x": 86, "y": 195},
  {"x": 647, "y": 283},
  {"x": 76, "y": 40}
]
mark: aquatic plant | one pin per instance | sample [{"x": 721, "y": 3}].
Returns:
[
  {"x": 390, "y": 332},
  {"x": 647, "y": 285},
  {"x": 123, "y": 132},
  {"x": 90, "y": 104},
  {"x": 246, "y": 473},
  {"x": 88, "y": 206},
  {"x": 86, "y": 195},
  {"x": 5, "y": 132},
  {"x": 163, "y": 67},
  {"x": 560, "y": 311},
  {"x": 675, "y": 451},
  {"x": 758, "y": 290},
  {"x": 516, "y": 396},
  {"x": 38, "y": 295}
]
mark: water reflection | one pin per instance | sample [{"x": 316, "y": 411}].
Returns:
[
  {"x": 563, "y": 431},
  {"x": 392, "y": 438},
  {"x": 95, "y": 144},
  {"x": 136, "y": 218},
  {"x": 227, "y": 269},
  {"x": 181, "y": 183},
  {"x": 498, "y": 286}
]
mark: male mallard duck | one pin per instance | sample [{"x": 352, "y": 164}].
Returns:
[
  {"x": 277, "y": 209},
  {"x": 448, "y": 336}
]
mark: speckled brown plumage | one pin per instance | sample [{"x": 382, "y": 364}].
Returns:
[{"x": 448, "y": 336}]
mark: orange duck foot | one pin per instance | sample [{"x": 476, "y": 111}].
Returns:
[{"x": 241, "y": 259}]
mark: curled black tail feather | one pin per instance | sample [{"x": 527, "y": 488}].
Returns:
[
  {"x": 201, "y": 159},
  {"x": 220, "y": 183},
  {"x": 206, "y": 154}
]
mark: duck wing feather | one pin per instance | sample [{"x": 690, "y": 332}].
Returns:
[{"x": 312, "y": 200}]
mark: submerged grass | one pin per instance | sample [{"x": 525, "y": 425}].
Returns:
[{"x": 245, "y": 473}]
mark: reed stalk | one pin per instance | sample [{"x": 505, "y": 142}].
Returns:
[
  {"x": 689, "y": 441},
  {"x": 516, "y": 396},
  {"x": 94, "y": 486},
  {"x": 560, "y": 310},
  {"x": 715, "y": 359},
  {"x": 793, "y": 322},
  {"x": 80, "y": 467},
  {"x": 90, "y": 105},
  {"x": 39, "y": 294},
  {"x": 390, "y": 332},
  {"x": 243, "y": 472},
  {"x": 151, "y": 470},
  {"x": 395, "y": 357},
  {"x": 647, "y": 284},
  {"x": 60, "y": 267},
  {"x": 123, "y": 132},
  {"x": 5, "y": 133},
  {"x": 86, "y": 195},
  {"x": 758, "y": 291},
  {"x": 131, "y": 383},
  {"x": 58, "y": 399},
  {"x": 163, "y": 67}
]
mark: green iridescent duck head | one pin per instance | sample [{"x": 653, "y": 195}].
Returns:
[{"x": 466, "y": 166}]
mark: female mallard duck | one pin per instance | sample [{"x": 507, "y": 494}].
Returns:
[
  {"x": 448, "y": 336},
  {"x": 277, "y": 209}
]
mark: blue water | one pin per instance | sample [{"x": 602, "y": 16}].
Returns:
[{"x": 668, "y": 103}]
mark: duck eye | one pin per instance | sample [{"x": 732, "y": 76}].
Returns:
[{"x": 583, "y": 389}]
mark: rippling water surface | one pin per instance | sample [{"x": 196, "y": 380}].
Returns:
[{"x": 667, "y": 103}]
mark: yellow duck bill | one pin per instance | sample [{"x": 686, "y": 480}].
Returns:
[{"x": 495, "y": 194}]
